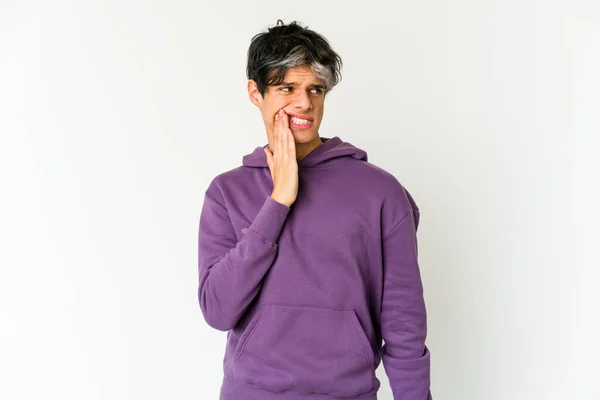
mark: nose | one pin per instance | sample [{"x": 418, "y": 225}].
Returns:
[{"x": 302, "y": 101}]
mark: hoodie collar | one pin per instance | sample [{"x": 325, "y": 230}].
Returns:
[{"x": 329, "y": 148}]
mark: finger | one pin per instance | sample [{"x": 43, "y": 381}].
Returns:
[
  {"x": 273, "y": 133},
  {"x": 292, "y": 145},
  {"x": 287, "y": 133},
  {"x": 277, "y": 138},
  {"x": 280, "y": 134},
  {"x": 286, "y": 136},
  {"x": 286, "y": 121}
]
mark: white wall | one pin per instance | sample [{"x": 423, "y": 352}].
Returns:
[{"x": 115, "y": 115}]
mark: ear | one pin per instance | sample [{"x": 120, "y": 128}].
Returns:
[{"x": 253, "y": 93}]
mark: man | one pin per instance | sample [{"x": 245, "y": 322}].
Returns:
[{"x": 307, "y": 252}]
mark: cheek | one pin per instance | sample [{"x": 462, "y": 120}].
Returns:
[
  {"x": 321, "y": 114},
  {"x": 270, "y": 116}
]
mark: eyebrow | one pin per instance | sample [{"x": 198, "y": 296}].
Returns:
[{"x": 296, "y": 84}]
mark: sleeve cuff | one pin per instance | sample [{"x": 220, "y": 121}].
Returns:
[{"x": 270, "y": 219}]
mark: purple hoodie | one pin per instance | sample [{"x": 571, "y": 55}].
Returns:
[{"x": 308, "y": 292}]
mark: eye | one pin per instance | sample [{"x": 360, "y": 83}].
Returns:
[
  {"x": 285, "y": 87},
  {"x": 318, "y": 90}
]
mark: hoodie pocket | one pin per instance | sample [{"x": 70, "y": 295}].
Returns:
[{"x": 306, "y": 349}]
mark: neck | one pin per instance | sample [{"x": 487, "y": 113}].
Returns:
[{"x": 303, "y": 149}]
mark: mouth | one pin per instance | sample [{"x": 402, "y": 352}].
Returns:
[{"x": 300, "y": 122}]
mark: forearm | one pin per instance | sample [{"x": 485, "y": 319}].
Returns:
[{"x": 230, "y": 273}]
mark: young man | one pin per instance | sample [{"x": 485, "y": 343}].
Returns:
[{"x": 307, "y": 253}]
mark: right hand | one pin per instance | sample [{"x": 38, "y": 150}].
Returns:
[{"x": 283, "y": 164}]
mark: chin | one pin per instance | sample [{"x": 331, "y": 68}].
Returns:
[{"x": 303, "y": 135}]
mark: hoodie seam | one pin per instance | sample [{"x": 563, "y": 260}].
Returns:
[
  {"x": 261, "y": 237},
  {"x": 396, "y": 225}
]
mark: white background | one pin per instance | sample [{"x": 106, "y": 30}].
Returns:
[{"x": 116, "y": 114}]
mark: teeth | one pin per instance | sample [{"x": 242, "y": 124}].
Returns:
[{"x": 299, "y": 121}]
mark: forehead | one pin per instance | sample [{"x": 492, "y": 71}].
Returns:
[{"x": 301, "y": 75}]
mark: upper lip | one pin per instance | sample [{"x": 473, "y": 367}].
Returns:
[{"x": 300, "y": 116}]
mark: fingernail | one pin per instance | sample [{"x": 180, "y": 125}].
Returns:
[{"x": 276, "y": 116}]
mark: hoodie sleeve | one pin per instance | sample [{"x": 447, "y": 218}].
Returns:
[
  {"x": 405, "y": 356},
  {"x": 231, "y": 271}
]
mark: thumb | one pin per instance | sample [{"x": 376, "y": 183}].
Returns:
[
  {"x": 268, "y": 155},
  {"x": 269, "y": 160}
]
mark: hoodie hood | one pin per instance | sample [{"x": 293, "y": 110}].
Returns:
[{"x": 329, "y": 148}]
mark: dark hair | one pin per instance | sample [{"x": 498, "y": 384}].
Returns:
[{"x": 282, "y": 47}]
